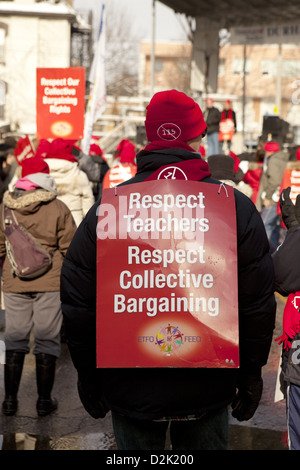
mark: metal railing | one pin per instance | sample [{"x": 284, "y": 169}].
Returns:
[{"x": 122, "y": 128}]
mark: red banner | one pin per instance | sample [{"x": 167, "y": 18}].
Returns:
[
  {"x": 118, "y": 174},
  {"x": 60, "y": 103},
  {"x": 291, "y": 177},
  {"x": 167, "y": 276},
  {"x": 24, "y": 149}
]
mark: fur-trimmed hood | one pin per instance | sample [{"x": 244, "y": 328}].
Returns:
[
  {"x": 295, "y": 165},
  {"x": 29, "y": 198},
  {"x": 48, "y": 220},
  {"x": 255, "y": 165}
]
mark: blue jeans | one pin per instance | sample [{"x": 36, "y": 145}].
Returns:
[
  {"x": 293, "y": 416},
  {"x": 271, "y": 222},
  {"x": 212, "y": 143},
  {"x": 207, "y": 433}
]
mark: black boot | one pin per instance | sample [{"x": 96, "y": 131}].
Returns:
[
  {"x": 14, "y": 361},
  {"x": 45, "y": 373}
]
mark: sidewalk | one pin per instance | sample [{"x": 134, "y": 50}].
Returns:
[{"x": 71, "y": 428}]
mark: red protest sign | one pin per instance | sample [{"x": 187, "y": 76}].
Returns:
[
  {"x": 167, "y": 276},
  {"x": 23, "y": 149},
  {"x": 118, "y": 174},
  {"x": 60, "y": 102},
  {"x": 226, "y": 131},
  {"x": 291, "y": 177}
]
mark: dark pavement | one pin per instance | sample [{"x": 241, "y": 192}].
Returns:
[{"x": 71, "y": 428}]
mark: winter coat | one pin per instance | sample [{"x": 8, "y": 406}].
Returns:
[
  {"x": 73, "y": 186},
  {"x": 212, "y": 117},
  {"x": 157, "y": 393},
  {"x": 93, "y": 165},
  {"x": 271, "y": 178},
  {"x": 51, "y": 223},
  {"x": 291, "y": 363},
  {"x": 287, "y": 281}
]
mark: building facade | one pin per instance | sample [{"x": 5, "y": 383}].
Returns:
[
  {"x": 260, "y": 80},
  {"x": 269, "y": 78},
  {"x": 172, "y": 68},
  {"x": 32, "y": 34}
]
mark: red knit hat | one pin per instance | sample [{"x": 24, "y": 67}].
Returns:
[
  {"x": 172, "y": 115},
  {"x": 34, "y": 165},
  {"x": 126, "y": 151},
  {"x": 58, "y": 148},
  {"x": 95, "y": 150},
  {"x": 272, "y": 147}
]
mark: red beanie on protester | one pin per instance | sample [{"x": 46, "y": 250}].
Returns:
[
  {"x": 173, "y": 116},
  {"x": 272, "y": 147},
  {"x": 95, "y": 150},
  {"x": 43, "y": 148},
  {"x": 58, "y": 148},
  {"x": 62, "y": 148},
  {"x": 126, "y": 151},
  {"x": 34, "y": 165}
]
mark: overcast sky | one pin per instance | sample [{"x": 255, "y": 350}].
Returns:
[{"x": 167, "y": 25}]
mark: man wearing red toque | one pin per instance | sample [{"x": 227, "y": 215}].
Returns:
[
  {"x": 212, "y": 118},
  {"x": 145, "y": 400}
]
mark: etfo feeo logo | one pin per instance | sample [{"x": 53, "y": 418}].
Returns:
[
  {"x": 169, "y": 339},
  {"x": 169, "y": 131}
]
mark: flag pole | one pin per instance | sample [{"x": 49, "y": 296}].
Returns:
[
  {"x": 97, "y": 95},
  {"x": 153, "y": 48}
]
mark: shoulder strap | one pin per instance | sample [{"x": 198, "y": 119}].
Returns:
[{"x": 8, "y": 216}]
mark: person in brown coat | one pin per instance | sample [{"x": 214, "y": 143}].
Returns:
[{"x": 35, "y": 302}]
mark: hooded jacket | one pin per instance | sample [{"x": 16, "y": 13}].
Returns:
[
  {"x": 212, "y": 117},
  {"x": 51, "y": 223},
  {"x": 162, "y": 393},
  {"x": 271, "y": 178},
  {"x": 73, "y": 186}
]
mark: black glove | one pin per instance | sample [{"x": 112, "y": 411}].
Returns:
[
  {"x": 289, "y": 211},
  {"x": 247, "y": 398},
  {"x": 90, "y": 397},
  {"x": 297, "y": 208}
]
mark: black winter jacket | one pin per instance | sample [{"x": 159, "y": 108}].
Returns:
[
  {"x": 212, "y": 117},
  {"x": 287, "y": 281},
  {"x": 157, "y": 393}
]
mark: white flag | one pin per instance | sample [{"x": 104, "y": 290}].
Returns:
[{"x": 97, "y": 97}]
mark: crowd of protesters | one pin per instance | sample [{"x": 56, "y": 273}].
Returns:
[{"x": 56, "y": 194}]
